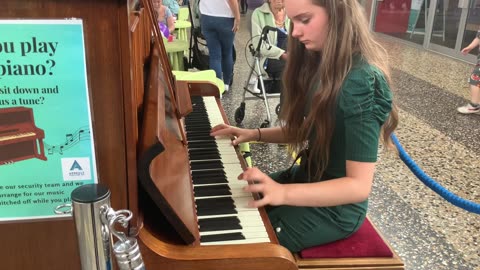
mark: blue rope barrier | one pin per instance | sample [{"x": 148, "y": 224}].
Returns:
[{"x": 429, "y": 182}]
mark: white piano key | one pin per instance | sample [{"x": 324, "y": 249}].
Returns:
[
  {"x": 241, "y": 204},
  {"x": 17, "y": 136},
  {"x": 246, "y": 214},
  {"x": 233, "y": 242},
  {"x": 249, "y": 232},
  {"x": 226, "y": 159}
]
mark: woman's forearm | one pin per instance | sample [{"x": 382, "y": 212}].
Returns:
[
  {"x": 353, "y": 188},
  {"x": 326, "y": 193},
  {"x": 270, "y": 135},
  {"x": 474, "y": 43}
]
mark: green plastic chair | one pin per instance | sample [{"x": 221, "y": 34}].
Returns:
[
  {"x": 204, "y": 75},
  {"x": 182, "y": 24},
  {"x": 183, "y": 14},
  {"x": 175, "y": 51}
]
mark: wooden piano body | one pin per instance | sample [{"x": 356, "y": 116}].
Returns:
[
  {"x": 19, "y": 137},
  {"x": 121, "y": 66}
]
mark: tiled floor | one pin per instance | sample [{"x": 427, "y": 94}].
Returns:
[{"x": 426, "y": 230}]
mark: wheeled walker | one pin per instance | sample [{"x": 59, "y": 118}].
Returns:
[{"x": 256, "y": 70}]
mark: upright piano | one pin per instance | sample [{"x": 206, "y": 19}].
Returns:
[
  {"x": 150, "y": 153},
  {"x": 20, "y": 139}
]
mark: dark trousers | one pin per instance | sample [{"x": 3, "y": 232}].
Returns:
[{"x": 243, "y": 6}]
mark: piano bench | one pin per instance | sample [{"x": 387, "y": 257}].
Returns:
[{"x": 365, "y": 249}]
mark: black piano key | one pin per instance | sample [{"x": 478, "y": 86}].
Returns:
[
  {"x": 195, "y": 118},
  {"x": 203, "y": 151},
  {"x": 198, "y": 123},
  {"x": 197, "y": 132},
  {"x": 206, "y": 165},
  {"x": 219, "y": 224},
  {"x": 220, "y": 210},
  {"x": 193, "y": 132},
  {"x": 212, "y": 190},
  {"x": 204, "y": 156},
  {"x": 208, "y": 174},
  {"x": 215, "y": 206},
  {"x": 202, "y": 145},
  {"x": 199, "y": 137},
  {"x": 200, "y": 174},
  {"x": 201, "y": 154},
  {"x": 221, "y": 237},
  {"x": 213, "y": 202},
  {"x": 209, "y": 180},
  {"x": 204, "y": 128}
]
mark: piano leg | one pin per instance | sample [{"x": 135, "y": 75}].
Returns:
[{"x": 41, "y": 154}]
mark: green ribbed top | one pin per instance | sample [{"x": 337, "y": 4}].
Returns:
[{"x": 363, "y": 105}]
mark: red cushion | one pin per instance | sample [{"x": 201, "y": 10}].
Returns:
[{"x": 364, "y": 243}]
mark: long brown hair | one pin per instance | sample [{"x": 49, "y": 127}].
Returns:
[{"x": 347, "y": 34}]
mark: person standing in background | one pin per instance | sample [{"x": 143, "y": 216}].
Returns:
[
  {"x": 243, "y": 6},
  {"x": 219, "y": 22},
  {"x": 474, "y": 105}
]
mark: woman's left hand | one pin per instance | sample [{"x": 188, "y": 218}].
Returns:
[{"x": 273, "y": 192}]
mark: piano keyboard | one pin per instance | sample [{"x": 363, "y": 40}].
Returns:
[
  {"x": 223, "y": 215},
  {"x": 17, "y": 136}
]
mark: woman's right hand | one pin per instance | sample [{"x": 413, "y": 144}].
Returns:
[
  {"x": 236, "y": 24},
  {"x": 240, "y": 134}
]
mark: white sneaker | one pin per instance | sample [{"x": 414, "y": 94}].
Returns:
[
  {"x": 253, "y": 80},
  {"x": 253, "y": 85},
  {"x": 468, "y": 109},
  {"x": 254, "y": 89},
  {"x": 227, "y": 87}
]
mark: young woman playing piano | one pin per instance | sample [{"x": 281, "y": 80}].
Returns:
[{"x": 338, "y": 104}]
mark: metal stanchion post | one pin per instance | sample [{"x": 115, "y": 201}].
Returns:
[
  {"x": 93, "y": 236},
  {"x": 95, "y": 223}
]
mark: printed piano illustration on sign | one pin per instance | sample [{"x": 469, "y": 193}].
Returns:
[{"x": 20, "y": 139}]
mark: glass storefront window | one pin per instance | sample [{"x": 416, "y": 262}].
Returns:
[
  {"x": 405, "y": 19},
  {"x": 444, "y": 26},
  {"x": 472, "y": 26}
]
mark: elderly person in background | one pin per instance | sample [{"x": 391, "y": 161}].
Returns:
[{"x": 273, "y": 55}]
